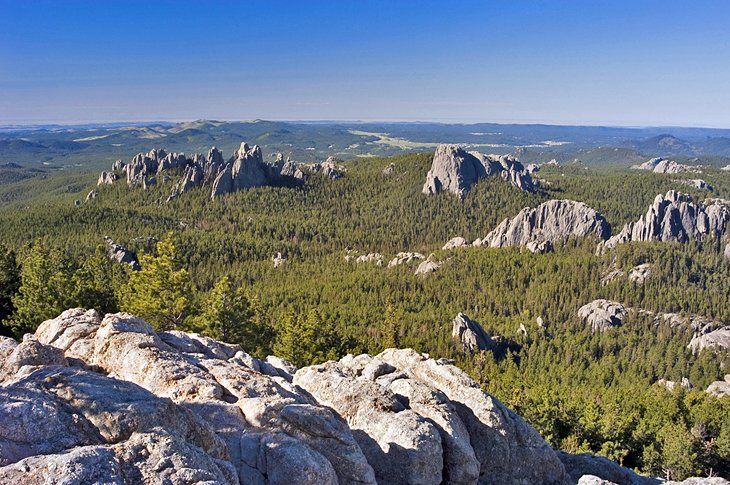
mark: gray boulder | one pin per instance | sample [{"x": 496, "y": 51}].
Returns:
[
  {"x": 427, "y": 422},
  {"x": 602, "y": 314},
  {"x": 720, "y": 388}
]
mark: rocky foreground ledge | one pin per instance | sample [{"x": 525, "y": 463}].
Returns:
[{"x": 108, "y": 400}]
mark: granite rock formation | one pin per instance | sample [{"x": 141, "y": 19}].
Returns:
[
  {"x": 470, "y": 335},
  {"x": 675, "y": 217},
  {"x": 552, "y": 222},
  {"x": 663, "y": 165},
  {"x": 456, "y": 170},
  {"x": 122, "y": 255},
  {"x": 602, "y": 314}
]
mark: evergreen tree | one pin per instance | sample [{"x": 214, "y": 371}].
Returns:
[
  {"x": 46, "y": 289},
  {"x": 161, "y": 292},
  {"x": 9, "y": 286}
]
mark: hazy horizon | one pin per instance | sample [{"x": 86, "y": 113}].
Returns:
[{"x": 625, "y": 64}]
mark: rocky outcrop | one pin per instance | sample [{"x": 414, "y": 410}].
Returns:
[
  {"x": 423, "y": 421},
  {"x": 120, "y": 254},
  {"x": 720, "y": 388},
  {"x": 697, "y": 184},
  {"x": 105, "y": 396},
  {"x": 455, "y": 242},
  {"x": 675, "y": 217},
  {"x": 663, "y": 165},
  {"x": 456, "y": 170},
  {"x": 551, "y": 222},
  {"x": 107, "y": 178},
  {"x": 428, "y": 266},
  {"x": 639, "y": 274},
  {"x": 376, "y": 258},
  {"x": 278, "y": 260},
  {"x": 331, "y": 168},
  {"x": 470, "y": 335},
  {"x": 715, "y": 339},
  {"x": 245, "y": 169},
  {"x": 602, "y": 315},
  {"x": 109, "y": 400},
  {"x": 404, "y": 258}
]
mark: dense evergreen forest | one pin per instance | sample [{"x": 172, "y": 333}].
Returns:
[{"x": 207, "y": 267}]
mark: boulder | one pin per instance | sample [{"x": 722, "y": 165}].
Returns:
[
  {"x": 720, "y": 388},
  {"x": 376, "y": 258},
  {"x": 428, "y": 266},
  {"x": 639, "y": 274},
  {"x": 455, "y": 242},
  {"x": 278, "y": 259},
  {"x": 602, "y": 315}
]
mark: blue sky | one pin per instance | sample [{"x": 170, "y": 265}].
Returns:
[{"x": 569, "y": 62}]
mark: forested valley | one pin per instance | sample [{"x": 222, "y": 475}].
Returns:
[{"x": 207, "y": 267}]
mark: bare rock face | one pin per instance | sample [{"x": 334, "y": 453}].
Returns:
[
  {"x": 100, "y": 398},
  {"x": 720, "y": 388},
  {"x": 553, "y": 221},
  {"x": 121, "y": 255},
  {"x": 456, "y": 170},
  {"x": 639, "y": 274},
  {"x": 470, "y": 334},
  {"x": 107, "y": 178},
  {"x": 602, "y": 314},
  {"x": 422, "y": 421},
  {"x": 331, "y": 168},
  {"x": 675, "y": 217},
  {"x": 106, "y": 399},
  {"x": 719, "y": 339},
  {"x": 663, "y": 165}
]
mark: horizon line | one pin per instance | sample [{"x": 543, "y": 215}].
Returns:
[{"x": 44, "y": 123}]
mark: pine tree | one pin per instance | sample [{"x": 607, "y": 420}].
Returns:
[
  {"x": 161, "y": 292},
  {"x": 9, "y": 285},
  {"x": 226, "y": 314},
  {"x": 46, "y": 289}
]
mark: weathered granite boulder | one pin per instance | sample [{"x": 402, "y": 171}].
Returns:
[
  {"x": 720, "y": 388},
  {"x": 424, "y": 421},
  {"x": 553, "y": 221},
  {"x": 428, "y": 266},
  {"x": 602, "y": 314},
  {"x": 455, "y": 242},
  {"x": 663, "y": 165}
]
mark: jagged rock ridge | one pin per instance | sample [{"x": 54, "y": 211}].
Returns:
[
  {"x": 245, "y": 169},
  {"x": 663, "y": 165},
  {"x": 456, "y": 170},
  {"x": 675, "y": 217}
]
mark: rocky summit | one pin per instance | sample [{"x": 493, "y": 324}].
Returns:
[
  {"x": 106, "y": 399},
  {"x": 676, "y": 217},
  {"x": 456, "y": 170},
  {"x": 245, "y": 169},
  {"x": 551, "y": 222}
]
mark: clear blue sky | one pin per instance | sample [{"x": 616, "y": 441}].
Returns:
[{"x": 571, "y": 62}]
